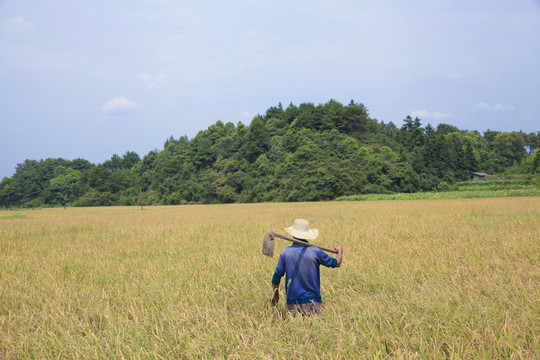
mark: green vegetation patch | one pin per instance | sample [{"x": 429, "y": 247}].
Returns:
[
  {"x": 501, "y": 184},
  {"x": 299, "y": 153},
  {"x": 465, "y": 194},
  {"x": 14, "y": 217}
]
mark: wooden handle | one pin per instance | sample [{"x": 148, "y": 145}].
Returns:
[{"x": 302, "y": 242}]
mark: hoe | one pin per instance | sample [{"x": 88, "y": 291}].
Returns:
[{"x": 268, "y": 243}]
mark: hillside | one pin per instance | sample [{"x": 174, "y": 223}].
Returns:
[{"x": 299, "y": 153}]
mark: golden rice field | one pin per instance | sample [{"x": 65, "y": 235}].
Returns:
[{"x": 446, "y": 279}]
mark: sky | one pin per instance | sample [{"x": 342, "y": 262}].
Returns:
[{"x": 92, "y": 78}]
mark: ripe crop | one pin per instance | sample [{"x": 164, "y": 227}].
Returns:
[{"x": 420, "y": 279}]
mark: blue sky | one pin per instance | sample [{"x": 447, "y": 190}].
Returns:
[{"x": 93, "y": 78}]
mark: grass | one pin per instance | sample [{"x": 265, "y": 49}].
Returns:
[
  {"x": 420, "y": 279},
  {"x": 14, "y": 217},
  {"x": 464, "y": 190},
  {"x": 461, "y": 194}
]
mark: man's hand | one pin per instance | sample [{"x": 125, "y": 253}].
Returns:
[
  {"x": 339, "y": 257},
  {"x": 275, "y": 299}
]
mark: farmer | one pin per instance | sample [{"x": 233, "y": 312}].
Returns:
[{"x": 300, "y": 264}]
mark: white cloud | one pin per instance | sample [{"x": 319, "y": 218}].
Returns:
[
  {"x": 427, "y": 114},
  {"x": 503, "y": 107},
  {"x": 498, "y": 107},
  {"x": 482, "y": 105},
  {"x": 153, "y": 82},
  {"x": 246, "y": 114},
  {"x": 119, "y": 105},
  {"x": 18, "y": 25}
]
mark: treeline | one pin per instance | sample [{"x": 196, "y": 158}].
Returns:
[{"x": 299, "y": 153}]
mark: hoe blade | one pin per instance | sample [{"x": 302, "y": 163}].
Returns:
[{"x": 268, "y": 245}]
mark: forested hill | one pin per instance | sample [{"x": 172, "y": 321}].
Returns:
[{"x": 300, "y": 153}]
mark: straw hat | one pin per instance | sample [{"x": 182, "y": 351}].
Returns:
[{"x": 301, "y": 230}]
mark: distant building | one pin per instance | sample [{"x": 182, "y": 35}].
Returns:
[{"x": 478, "y": 175}]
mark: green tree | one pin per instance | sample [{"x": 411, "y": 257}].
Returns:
[
  {"x": 444, "y": 129},
  {"x": 412, "y": 133},
  {"x": 511, "y": 146},
  {"x": 6, "y": 192},
  {"x": 358, "y": 123},
  {"x": 257, "y": 139},
  {"x": 333, "y": 117},
  {"x": 489, "y": 136},
  {"x": 533, "y": 162},
  {"x": 28, "y": 183},
  {"x": 114, "y": 163},
  {"x": 532, "y": 141},
  {"x": 96, "y": 178},
  {"x": 66, "y": 183},
  {"x": 129, "y": 159}
]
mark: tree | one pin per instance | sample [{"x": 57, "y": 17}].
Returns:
[
  {"x": 444, "y": 129},
  {"x": 96, "y": 178},
  {"x": 129, "y": 159},
  {"x": 257, "y": 139},
  {"x": 489, "y": 136},
  {"x": 80, "y": 164},
  {"x": 66, "y": 183},
  {"x": 28, "y": 182},
  {"x": 333, "y": 117},
  {"x": 533, "y": 162},
  {"x": 6, "y": 192},
  {"x": 357, "y": 122},
  {"x": 290, "y": 113},
  {"x": 307, "y": 117},
  {"x": 511, "y": 146},
  {"x": 532, "y": 142},
  {"x": 274, "y": 112},
  {"x": 114, "y": 163},
  {"x": 412, "y": 133}
]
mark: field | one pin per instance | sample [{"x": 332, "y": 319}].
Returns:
[
  {"x": 462, "y": 190},
  {"x": 455, "y": 279}
]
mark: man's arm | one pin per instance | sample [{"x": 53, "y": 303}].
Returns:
[
  {"x": 276, "y": 279},
  {"x": 339, "y": 256},
  {"x": 328, "y": 261}
]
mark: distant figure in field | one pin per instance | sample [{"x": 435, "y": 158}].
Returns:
[{"x": 301, "y": 264}]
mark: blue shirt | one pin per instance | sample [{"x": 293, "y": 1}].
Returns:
[{"x": 300, "y": 264}]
